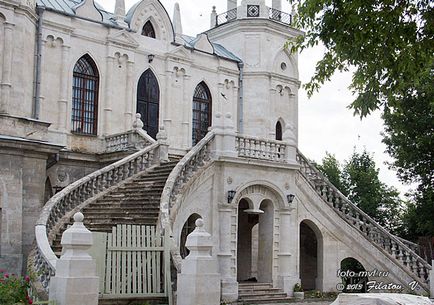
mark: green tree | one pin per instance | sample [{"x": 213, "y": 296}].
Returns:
[
  {"x": 358, "y": 180},
  {"x": 389, "y": 46}
]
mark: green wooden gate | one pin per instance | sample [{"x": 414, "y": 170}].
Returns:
[{"x": 132, "y": 262}]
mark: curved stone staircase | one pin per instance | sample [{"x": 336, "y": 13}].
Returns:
[
  {"x": 118, "y": 192},
  {"x": 136, "y": 201}
]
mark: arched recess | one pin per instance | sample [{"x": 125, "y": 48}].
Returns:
[
  {"x": 202, "y": 112},
  {"x": 279, "y": 131},
  {"x": 353, "y": 275},
  {"x": 188, "y": 227},
  {"x": 85, "y": 92},
  {"x": 154, "y": 11},
  {"x": 148, "y": 102},
  {"x": 285, "y": 63},
  {"x": 148, "y": 30},
  {"x": 311, "y": 256}
]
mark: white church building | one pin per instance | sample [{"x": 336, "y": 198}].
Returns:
[{"x": 144, "y": 130}]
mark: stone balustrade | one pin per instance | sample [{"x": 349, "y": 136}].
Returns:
[
  {"x": 71, "y": 197},
  {"x": 401, "y": 251},
  {"x": 187, "y": 167},
  {"x": 132, "y": 139},
  {"x": 263, "y": 149}
]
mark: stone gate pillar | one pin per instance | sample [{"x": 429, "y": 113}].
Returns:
[
  {"x": 287, "y": 276},
  {"x": 76, "y": 282},
  {"x": 199, "y": 281}
]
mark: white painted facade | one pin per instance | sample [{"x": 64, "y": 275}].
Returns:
[{"x": 253, "y": 82}]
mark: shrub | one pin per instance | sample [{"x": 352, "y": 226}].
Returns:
[{"x": 14, "y": 289}]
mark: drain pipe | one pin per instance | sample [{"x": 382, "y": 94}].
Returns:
[
  {"x": 38, "y": 55},
  {"x": 241, "y": 99}
]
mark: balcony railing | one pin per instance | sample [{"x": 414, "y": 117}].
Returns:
[
  {"x": 226, "y": 17},
  {"x": 280, "y": 16}
]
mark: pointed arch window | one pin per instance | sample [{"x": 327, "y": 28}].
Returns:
[
  {"x": 85, "y": 96},
  {"x": 148, "y": 30},
  {"x": 148, "y": 102},
  {"x": 278, "y": 131},
  {"x": 202, "y": 105}
]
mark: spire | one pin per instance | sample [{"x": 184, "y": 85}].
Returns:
[
  {"x": 177, "y": 19},
  {"x": 120, "y": 12}
]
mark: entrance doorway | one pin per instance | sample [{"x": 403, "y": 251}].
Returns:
[
  {"x": 255, "y": 242},
  {"x": 310, "y": 256}
]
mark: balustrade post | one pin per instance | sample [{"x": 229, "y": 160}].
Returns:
[
  {"x": 162, "y": 154},
  {"x": 75, "y": 282},
  {"x": 291, "y": 146},
  {"x": 224, "y": 130}
]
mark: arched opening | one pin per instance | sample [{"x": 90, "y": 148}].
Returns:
[
  {"x": 48, "y": 193},
  {"x": 85, "y": 96},
  {"x": 353, "y": 275},
  {"x": 278, "y": 131},
  {"x": 148, "y": 30},
  {"x": 310, "y": 256},
  {"x": 202, "y": 109},
  {"x": 148, "y": 102},
  {"x": 255, "y": 243},
  {"x": 188, "y": 227}
]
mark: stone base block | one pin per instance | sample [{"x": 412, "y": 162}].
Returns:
[
  {"x": 198, "y": 289},
  {"x": 287, "y": 283},
  {"x": 74, "y": 291},
  {"x": 229, "y": 291}
]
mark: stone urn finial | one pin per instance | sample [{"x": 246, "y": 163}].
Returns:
[{"x": 138, "y": 123}]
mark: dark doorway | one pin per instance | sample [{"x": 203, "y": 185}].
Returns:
[
  {"x": 148, "y": 102},
  {"x": 308, "y": 257}
]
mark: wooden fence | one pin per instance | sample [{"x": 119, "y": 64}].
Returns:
[{"x": 132, "y": 262}]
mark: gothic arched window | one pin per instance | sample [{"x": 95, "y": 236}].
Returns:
[
  {"x": 278, "y": 131},
  {"x": 201, "y": 112},
  {"x": 85, "y": 96},
  {"x": 148, "y": 30},
  {"x": 148, "y": 102}
]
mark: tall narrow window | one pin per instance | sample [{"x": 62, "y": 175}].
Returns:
[
  {"x": 148, "y": 102},
  {"x": 201, "y": 112},
  {"x": 278, "y": 131},
  {"x": 85, "y": 96},
  {"x": 148, "y": 30}
]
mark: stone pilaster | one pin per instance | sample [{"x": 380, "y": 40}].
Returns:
[
  {"x": 108, "y": 95},
  {"x": 129, "y": 96},
  {"x": 62, "y": 115},
  {"x": 7, "y": 67},
  {"x": 229, "y": 283},
  {"x": 187, "y": 109}
]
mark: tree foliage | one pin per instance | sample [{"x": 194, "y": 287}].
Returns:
[
  {"x": 358, "y": 179},
  {"x": 389, "y": 44}
]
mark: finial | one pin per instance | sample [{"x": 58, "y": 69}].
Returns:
[
  {"x": 78, "y": 217},
  {"x": 199, "y": 223}
]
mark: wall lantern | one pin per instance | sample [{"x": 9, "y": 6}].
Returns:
[
  {"x": 231, "y": 195},
  {"x": 150, "y": 58},
  {"x": 290, "y": 198}
]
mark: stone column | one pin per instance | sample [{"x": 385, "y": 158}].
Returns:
[
  {"x": 187, "y": 109},
  {"x": 224, "y": 144},
  {"x": 108, "y": 96},
  {"x": 76, "y": 282},
  {"x": 229, "y": 283},
  {"x": 199, "y": 281},
  {"x": 287, "y": 276},
  {"x": 7, "y": 67},
  {"x": 63, "y": 96},
  {"x": 165, "y": 111},
  {"x": 129, "y": 96}
]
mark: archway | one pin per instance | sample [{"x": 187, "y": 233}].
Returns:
[
  {"x": 310, "y": 256},
  {"x": 255, "y": 242},
  {"x": 353, "y": 275},
  {"x": 148, "y": 102},
  {"x": 188, "y": 227}
]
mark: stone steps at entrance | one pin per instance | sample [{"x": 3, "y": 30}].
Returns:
[
  {"x": 260, "y": 293},
  {"x": 135, "y": 202}
]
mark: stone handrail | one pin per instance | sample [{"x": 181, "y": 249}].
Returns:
[
  {"x": 418, "y": 268},
  {"x": 263, "y": 149},
  {"x": 136, "y": 139},
  {"x": 76, "y": 193},
  {"x": 193, "y": 161}
]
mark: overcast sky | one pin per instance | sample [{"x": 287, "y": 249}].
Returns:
[{"x": 325, "y": 123}]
